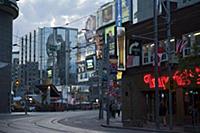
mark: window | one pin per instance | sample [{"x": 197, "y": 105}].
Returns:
[
  {"x": 147, "y": 54},
  {"x": 187, "y": 47},
  {"x": 197, "y": 38}
]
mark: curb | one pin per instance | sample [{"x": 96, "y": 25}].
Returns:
[{"x": 140, "y": 129}]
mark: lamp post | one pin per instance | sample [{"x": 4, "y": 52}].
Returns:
[
  {"x": 168, "y": 19},
  {"x": 156, "y": 4}
]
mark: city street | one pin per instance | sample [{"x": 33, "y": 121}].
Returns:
[{"x": 56, "y": 122}]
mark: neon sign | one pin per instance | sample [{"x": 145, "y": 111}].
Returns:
[
  {"x": 162, "y": 81},
  {"x": 182, "y": 78}
]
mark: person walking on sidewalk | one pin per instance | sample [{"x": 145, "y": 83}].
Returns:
[
  {"x": 163, "y": 112},
  {"x": 118, "y": 109}
]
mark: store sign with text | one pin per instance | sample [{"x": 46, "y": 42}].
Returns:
[{"x": 182, "y": 78}]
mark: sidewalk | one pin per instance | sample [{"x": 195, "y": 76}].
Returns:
[{"x": 150, "y": 127}]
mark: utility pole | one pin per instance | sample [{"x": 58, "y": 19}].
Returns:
[
  {"x": 106, "y": 57},
  {"x": 100, "y": 70},
  {"x": 169, "y": 51},
  {"x": 156, "y": 4},
  {"x": 99, "y": 67},
  {"x": 26, "y": 74}
]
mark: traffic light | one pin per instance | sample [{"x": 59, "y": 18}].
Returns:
[{"x": 17, "y": 83}]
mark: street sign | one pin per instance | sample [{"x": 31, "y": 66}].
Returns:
[{"x": 118, "y": 8}]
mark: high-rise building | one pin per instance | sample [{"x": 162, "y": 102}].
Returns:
[
  {"x": 48, "y": 57},
  {"x": 8, "y": 11}
]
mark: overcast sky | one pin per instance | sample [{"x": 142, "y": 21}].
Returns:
[{"x": 40, "y": 13}]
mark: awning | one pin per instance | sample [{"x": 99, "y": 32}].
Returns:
[{"x": 53, "y": 90}]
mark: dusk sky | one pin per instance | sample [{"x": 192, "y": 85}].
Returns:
[{"x": 44, "y": 13}]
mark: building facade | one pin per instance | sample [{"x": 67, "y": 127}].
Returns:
[
  {"x": 47, "y": 58},
  {"x": 8, "y": 12},
  {"x": 139, "y": 80}
]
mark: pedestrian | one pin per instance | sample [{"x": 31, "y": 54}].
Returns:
[
  {"x": 163, "y": 112},
  {"x": 113, "y": 108},
  {"x": 118, "y": 109}
]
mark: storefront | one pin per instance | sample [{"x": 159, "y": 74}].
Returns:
[{"x": 138, "y": 81}]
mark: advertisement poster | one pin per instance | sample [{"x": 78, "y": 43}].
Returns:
[
  {"x": 107, "y": 14},
  {"x": 121, "y": 40},
  {"x": 90, "y": 63},
  {"x": 99, "y": 44},
  {"x": 126, "y": 10},
  {"x": 133, "y": 58},
  {"x": 110, "y": 39}
]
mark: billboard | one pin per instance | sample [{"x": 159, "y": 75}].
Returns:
[
  {"x": 126, "y": 10},
  {"x": 90, "y": 63},
  {"x": 121, "y": 40},
  {"x": 90, "y": 28},
  {"x": 105, "y": 15},
  {"x": 99, "y": 44},
  {"x": 110, "y": 39},
  {"x": 134, "y": 54}
]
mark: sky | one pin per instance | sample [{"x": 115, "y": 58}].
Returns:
[{"x": 45, "y": 13}]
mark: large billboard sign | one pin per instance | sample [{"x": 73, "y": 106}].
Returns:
[
  {"x": 126, "y": 10},
  {"x": 99, "y": 44},
  {"x": 110, "y": 40},
  {"x": 121, "y": 41},
  {"x": 90, "y": 28},
  {"x": 105, "y": 15}
]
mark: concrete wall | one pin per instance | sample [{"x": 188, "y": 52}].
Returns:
[
  {"x": 5, "y": 56},
  {"x": 134, "y": 108}
]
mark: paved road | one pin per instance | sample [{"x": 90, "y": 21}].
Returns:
[{"x": 56, "y": 122}]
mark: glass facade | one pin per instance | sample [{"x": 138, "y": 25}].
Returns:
[
  {"x": 57, "y": 52},
  {"x": 52, "y": 49}
]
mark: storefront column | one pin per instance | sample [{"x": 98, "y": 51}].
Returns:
[{"x": 179, "y": 106}]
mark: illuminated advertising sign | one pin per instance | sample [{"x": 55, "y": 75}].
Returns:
[
  {"x": 126, "y": 10},
  {"x": 110, "y": 39},
  {"x": 90, "y": 63},
  {"x": 121, "y": 40},
  {"x": 182, "y": 78},
  {"x": 49, "y": 73},
  {"x": 99, "y": 44},
  {"x": 119, "y": 75}
]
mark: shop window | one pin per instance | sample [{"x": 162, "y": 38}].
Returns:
[
  {"x": 197, "y": 41},
  {"x": 187, "y": 45},
  {"x": 147, "y": 54}
]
